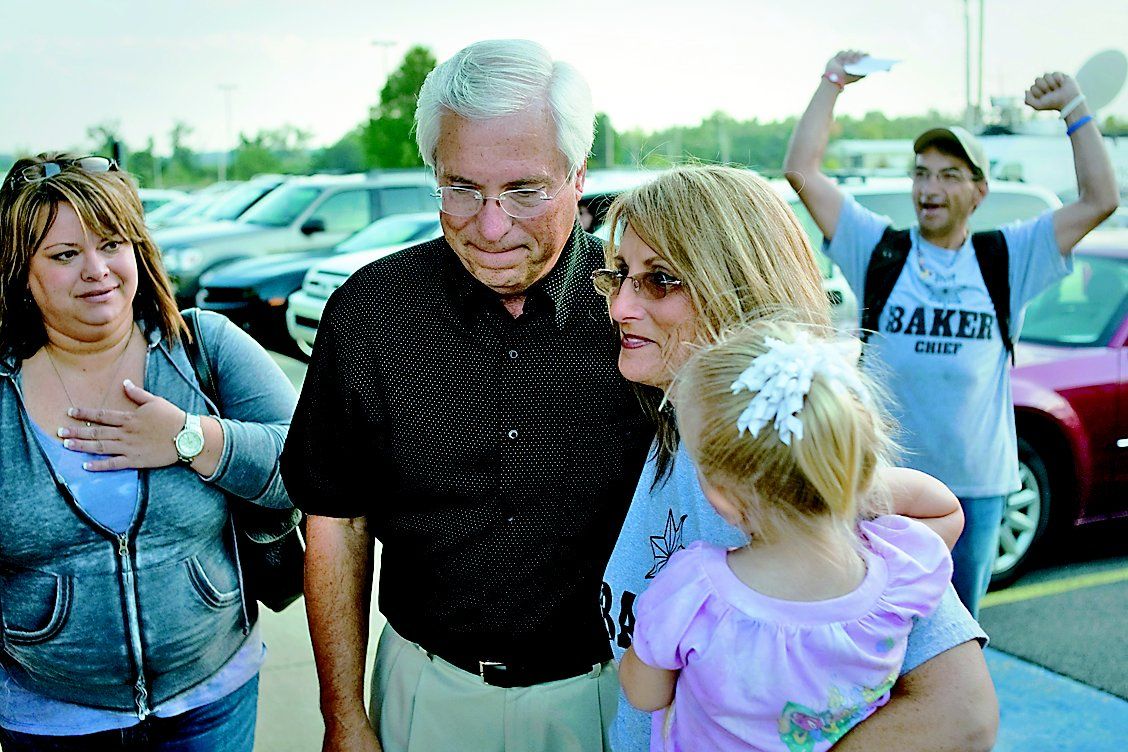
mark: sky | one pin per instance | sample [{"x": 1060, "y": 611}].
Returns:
[{"x": 71, "y": 64}]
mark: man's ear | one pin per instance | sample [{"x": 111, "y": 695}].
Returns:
[
  {"x": 981, "y": 189},
  {"x": 581, "y": 176}
]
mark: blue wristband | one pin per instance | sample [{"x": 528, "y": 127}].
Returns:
[{"x": 1073, "y": 128}]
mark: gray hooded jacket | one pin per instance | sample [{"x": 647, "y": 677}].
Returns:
[{"x": 126, "y": 622}]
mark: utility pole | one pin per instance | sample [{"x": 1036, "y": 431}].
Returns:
[
  {"x": 979, "y": 92},
  {"x": 226, "y": 89},
  {"x": 384, "y": 45},
  {"x": 969, "y": 114}
]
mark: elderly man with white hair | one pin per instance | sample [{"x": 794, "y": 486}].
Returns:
[{"x": 463, "y": 405}]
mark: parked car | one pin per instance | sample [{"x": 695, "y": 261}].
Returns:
[
  {"x": 253, "y": 292},
  {"x": 1070, "y": 388},
  {"x": 304, "y": 214},
  {"x": 153, "y": 198},
  {"x": 229, "y": 205},
  {"x": 165, "y": 214},
  {"x": 305, "y": 306}
]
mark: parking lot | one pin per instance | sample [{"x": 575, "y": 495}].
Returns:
[{"x": 1059, "y": 653}]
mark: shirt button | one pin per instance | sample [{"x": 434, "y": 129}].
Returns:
[
  {"x": 512, "y": 354},
  {"x": 512, "y": 433}
]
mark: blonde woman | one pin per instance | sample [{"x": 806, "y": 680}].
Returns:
[{"x": 693, "y": 253}]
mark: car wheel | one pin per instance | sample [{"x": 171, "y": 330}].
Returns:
[{"x": 1026, "y": 515}]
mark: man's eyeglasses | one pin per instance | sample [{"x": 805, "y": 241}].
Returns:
[
  {"x": 950, "y": 176},
  {"x": 650, "y": 285},
  {"x": 44, "y": 170},
  {"x": 519, "y": 203}
]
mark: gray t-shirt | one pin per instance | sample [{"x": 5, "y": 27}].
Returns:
[
  {"x": 670, "y": 517},
  {"x": 939, "y": 350}
]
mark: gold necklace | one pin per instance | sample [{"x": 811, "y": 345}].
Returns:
[{"x": 113, "y": 376}]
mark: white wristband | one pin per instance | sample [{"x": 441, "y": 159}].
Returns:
[{"x": 1073, "y": 104}]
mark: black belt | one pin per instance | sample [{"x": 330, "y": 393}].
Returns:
[{"x": 506, "y": 675}]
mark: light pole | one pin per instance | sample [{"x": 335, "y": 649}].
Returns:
[
  {"x": 973, "y": 107},
  {"x": 969, "y": 115},
  {"x": 226, "y": 89},
  {"x": 384, "y": 45}
]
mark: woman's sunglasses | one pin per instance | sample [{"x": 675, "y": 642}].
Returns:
[
  {"x": 43, "y": 170},
  {"x": 650, "y": 285}
]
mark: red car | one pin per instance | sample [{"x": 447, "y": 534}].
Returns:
[{"x": 1071, "y": 404}]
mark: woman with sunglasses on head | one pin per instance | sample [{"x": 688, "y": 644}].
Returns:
[
  {"x": 692, "y": 254},
  {"x": 124, "y": 620}
]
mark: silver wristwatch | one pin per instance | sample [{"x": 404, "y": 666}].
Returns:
[{"x": 190, "y": 441}]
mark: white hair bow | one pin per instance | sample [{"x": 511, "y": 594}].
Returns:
[{"x": 781, "y": 378}]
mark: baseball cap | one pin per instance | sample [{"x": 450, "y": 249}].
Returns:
[{"x": 964, "y": 143}]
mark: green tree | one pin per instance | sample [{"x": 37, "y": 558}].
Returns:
[
  {"x": 146, "y": 166},
  {"x": 603, "y": 149},
  {"x": 103, "y": 135},
  {"x": 387, "y": 137},
  {"x": 282, "y": 150},
  {"x": 347, "y": 155},
  {"x": 182, "y": 167}
]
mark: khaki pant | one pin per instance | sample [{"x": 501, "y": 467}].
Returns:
[{"x": 422, "y": 704}]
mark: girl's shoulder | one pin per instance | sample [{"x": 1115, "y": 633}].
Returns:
[
  {"x": 917, "y": 560},
  {"x": 685, "y": 568}
]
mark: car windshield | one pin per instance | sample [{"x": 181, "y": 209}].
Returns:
[
  {"x": 1082, "y": 309},
  {"x": 282, "y": 206},
  {"x": 389, "y": 231},
  {"x": 169, "y": 210},
  {"x": 236, "y": 201}
]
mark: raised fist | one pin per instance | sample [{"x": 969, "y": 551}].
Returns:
[{"x": 1052, "y": 91}]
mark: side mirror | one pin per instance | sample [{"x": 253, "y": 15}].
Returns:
[{"x": 312, "y": 226}]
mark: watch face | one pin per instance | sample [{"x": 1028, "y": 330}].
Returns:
[{"x": 189, "y": 443}]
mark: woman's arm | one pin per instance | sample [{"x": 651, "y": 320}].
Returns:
[
  {"x": 256, "y": 403},
  {"x": 647, "y": 688},
  {"x": 924, "y": 498},
  {"x": 946, "y": 704}
]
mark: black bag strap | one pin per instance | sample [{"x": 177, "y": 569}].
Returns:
[
  {"x": 198, "y": 354},
  {"x": 888, "y": 259},
  {"x": 885, "y": 265},
  {"x": 994, "y": 265}
]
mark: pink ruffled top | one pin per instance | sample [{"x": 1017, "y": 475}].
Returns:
[{"x": 769, "y": 674}]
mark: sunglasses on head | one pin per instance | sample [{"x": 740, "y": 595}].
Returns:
[
  {"x": 45, "y": 170},
  {"x": 650, "y": 285}
]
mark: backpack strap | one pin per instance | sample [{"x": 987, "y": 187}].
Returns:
[
  {"x": 994, "y": 265},
  {"x": 198, "y": 355},
  {"x": 885, "y": 265}
]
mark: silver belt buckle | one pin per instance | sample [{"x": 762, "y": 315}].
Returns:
[{"x": 482, "y": 665}]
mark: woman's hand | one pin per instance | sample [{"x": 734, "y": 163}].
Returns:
[{"x": 130, "y": 439}]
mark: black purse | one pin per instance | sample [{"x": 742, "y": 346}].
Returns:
[{"x": 269, "y": 546}]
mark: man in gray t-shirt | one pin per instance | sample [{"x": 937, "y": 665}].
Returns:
[{"x": 938, "y": 337}]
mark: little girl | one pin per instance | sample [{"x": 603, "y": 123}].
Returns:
[{"x": 791, "y": 640}]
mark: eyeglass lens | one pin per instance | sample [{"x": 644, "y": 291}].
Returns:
[
  {"x": 466, "y": 202},
  {"x": 651, "y": 285}
]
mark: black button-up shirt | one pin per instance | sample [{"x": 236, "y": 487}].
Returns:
[{"x": 494, "y": 457}]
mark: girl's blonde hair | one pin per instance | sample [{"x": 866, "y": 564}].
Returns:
[
  {"x": 828, "y": 473},
  {"x": 736, "y": 245},
  {"x": 106, "y": 203}
]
